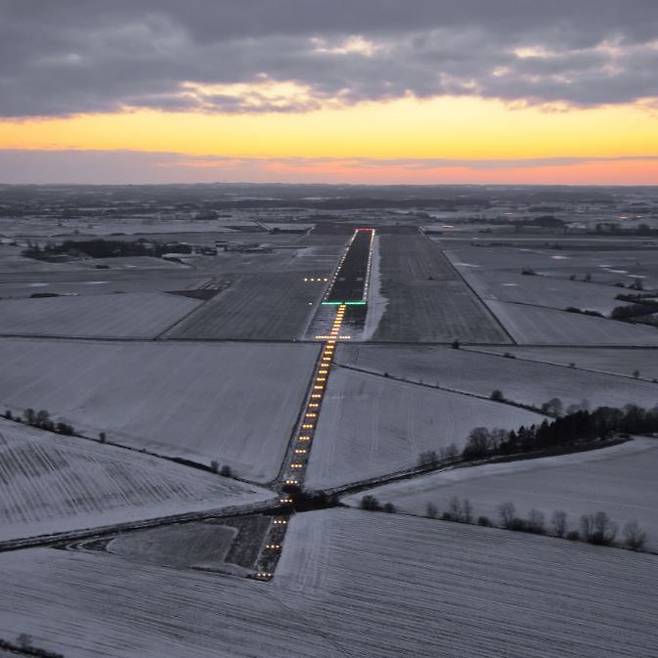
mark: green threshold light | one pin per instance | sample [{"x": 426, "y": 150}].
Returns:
[{"x": 359, "y": 303}]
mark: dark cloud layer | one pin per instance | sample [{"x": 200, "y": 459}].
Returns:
[{"x": 69, "y": 56}]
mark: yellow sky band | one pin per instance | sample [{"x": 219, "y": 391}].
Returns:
[{"x": 407, "y": 128}]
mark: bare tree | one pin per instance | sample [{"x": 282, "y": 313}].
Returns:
[
  {"x": 455, "y": 509},
  {"x": 605, "y": 530},
  {"x": 449, "y": 452},
  {"x": 467, "y": 511},
  {"x": 559, "y": 523},
  {"x": 598, "y": 528},
  {"x": 431, "y": 511},
  {"x": 536, "y": 522},
  {"x": 507, "y": 514},
  {"x": 634, "y": 537},
  {"x": 428, "y": 458}
]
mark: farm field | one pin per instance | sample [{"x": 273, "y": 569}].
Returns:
[
  {"x": 51, "y": 483},
  {"x": 481, "y": 373},
  {"x": 427, "y": 299},
  {"x": 99, "y": 282},
  {"x": 607, "y": 264},
  {"x": 267, "y": 306},
  {"x": 540, "y": 291},
  {"x": 541, "y": 326},
  {"x": 370, "y": 426},
  {"x": 197, "y": 545},
  {"x": 220, "y": 402},
  {"x": 131, "y": 315},
  {"x": 619, "y": 361},
  {"x": 348, "y": 582},
  {"x": 618, "y": 480}
]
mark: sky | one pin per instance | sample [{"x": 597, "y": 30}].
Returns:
[{"x": 339, "y": 91}]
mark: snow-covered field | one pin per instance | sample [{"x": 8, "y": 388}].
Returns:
[
  {"x": 532, "y": 325},
  {"x": 371, "y": 425},
  {"x": 619, "y": 361},
  {"x": 133, "y": 315},
  {"x": 51, "y": 483},
  {"x": 604, "y": 265},
  {"x": 349, "y": 584},
  {"x": 520, "y": 381},
  {"x": 232, "y": 402},
  {"x": 619, "y": 480},
  {"x": 507, "y": 286}
]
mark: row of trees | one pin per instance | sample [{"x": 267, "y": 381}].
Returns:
[
  {"x": 579, "y": 427},
  {"x": 101, "y": 248},
  {"x": 635, "y": 310},
  {"x": 42, "y": 420},
  {"x": 595, "y": 528}
]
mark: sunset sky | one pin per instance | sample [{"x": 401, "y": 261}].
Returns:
[{"x": 361, "y": 91}]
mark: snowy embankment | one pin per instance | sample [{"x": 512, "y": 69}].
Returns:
[
  {"x": 54, "y": 484},
  {"x": 348, "y": 583},
  {"x": 376, "y": 301}
]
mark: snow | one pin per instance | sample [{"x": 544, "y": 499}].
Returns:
[
  {"x": 348, "y": 583},
  {"x": 376, "y": 301},
  {"x": 618, "y": 480},
  {"x": 51, "y": 483},
  {"x": 232, "y": 402},
  {"x": 532, "y": 325},
  {"x": 134, "y": 315},
  {"x": 610, "y": 360},
  {"x": 371, "y": 426},
  {"x": 507, "y": 286},
  {"x": 521, "y": 381}
]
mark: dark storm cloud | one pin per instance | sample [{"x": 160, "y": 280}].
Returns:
[{"x": 73, "y": 56}]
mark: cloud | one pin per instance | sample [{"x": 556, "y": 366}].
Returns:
[
  {"x": 98, "y": 56},
  {"x": 142, "y": 167}
]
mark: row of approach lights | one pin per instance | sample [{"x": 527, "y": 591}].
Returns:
[
  {"x": 317, "y": 393},
  {"x": 315, "y": 399},
  {"x": 310, "y": 416}
]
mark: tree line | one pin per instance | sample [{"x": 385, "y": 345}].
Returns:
[
  {"x": 42, "y": 420},
  {"x": 101, "y": 248},
  {"x": 566, "y": 431},
  {"x": 596, "y": 528}
]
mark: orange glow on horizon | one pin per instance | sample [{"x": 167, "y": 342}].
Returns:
[{"x": 384, "y": 142}]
